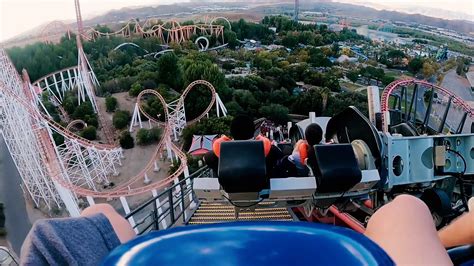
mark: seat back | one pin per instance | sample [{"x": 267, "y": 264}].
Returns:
[
  {"x": 242, "y": 167},
  {"x": 337, "y": 169}
]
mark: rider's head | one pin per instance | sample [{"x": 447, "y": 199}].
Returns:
[
  {"x": 242, "y": 128},
  {"x": 313, "y": 134}
]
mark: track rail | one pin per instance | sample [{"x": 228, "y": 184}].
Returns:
[
  {"x": 456, "y": 100},
  {"x": 169, "y": 32}
]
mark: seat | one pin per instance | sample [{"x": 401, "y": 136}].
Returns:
[
  {"x": 462, "y": 255},
  {"x": 242, "y": 167},
  {"x": 337, "y": 168}
]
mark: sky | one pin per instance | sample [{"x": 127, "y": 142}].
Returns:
[{"x": 17, "y": 16}]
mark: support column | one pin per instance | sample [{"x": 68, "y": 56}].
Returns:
[
  {"x": 168, "y": 150},
  {"x": 126, "y": 208},
  {"x": 178, "y": 192},
  {"x": 136, "y": 118},
  {"x": 289, "y": 125},
  {"x": 163, "y": 222},
  {"x": 90, "y": 200},
  {"x": 373, "y": 96},
  {"x": 156, "y": 167},
  {"x": 146, "y": 179},
  {"x": 188, "y": 183},
  {"x": 68, "y": 199},
  {"x": 312, "y": 117}
]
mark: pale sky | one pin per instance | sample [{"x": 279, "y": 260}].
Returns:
[{"x": 17, "y": 16}]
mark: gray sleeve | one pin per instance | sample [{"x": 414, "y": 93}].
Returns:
[{"x": 69, "y": 241}]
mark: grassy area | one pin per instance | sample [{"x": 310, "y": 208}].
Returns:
[{"x": 352, "y": 87}]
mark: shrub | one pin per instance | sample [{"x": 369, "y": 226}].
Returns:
[
  {"x": 120, "y": 119},
  {"x": 89, "y": 133},
  {"x": 135, "y": 89},
  {"x": 110, "y": 103},
  {"x": 148, "y": 136},
  {"x": 126, "y": 141}
]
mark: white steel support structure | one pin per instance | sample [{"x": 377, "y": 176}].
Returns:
[
  {"x": 86, "y": 77},
  {"x": 57, "y": 84},
  {"x": 20, "y": 133},
  {"x": 220, "y": 107},
  {"x": 177, "y": 117},
  {"x": 28, "y": 133},
  {"x": 373, "y": 96}
]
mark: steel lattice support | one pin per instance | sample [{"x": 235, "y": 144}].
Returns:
[{"x": 20, "y": 133}]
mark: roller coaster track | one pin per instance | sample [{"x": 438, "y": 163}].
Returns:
[
  {"x": 68, "y": 79},
  {"x": 169, "y": 32},
  {"x": 189, "y": 88},
  {"x": 54, "y": 167},
  {"x": 176, "y": 107},
  {"x": 55, "y": 164},
  {"x": 54, "y": 31},
  {"x": 454, "y": 99},
  {"x": 75, "y": 123}
]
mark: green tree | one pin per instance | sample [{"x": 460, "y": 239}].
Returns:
[
  {"x": 169, "y": 72},
  {"x": 126, "y": 140},
  {"x": 231, "y": 38},
  {"x": 311, "y": 101},
  {"x": 135, "y": 89},
  {"x": 110, "y": 103},
  {"x": 341, "y": 101},
  {"x": 396, "y": 56},
  {"x": 275, "y": 112},
  {"x": 89, "y": 133},
  {"x": 353, "y": 75},
  {"x": 120, "y": 119},
  {"x": 148, "y": 136},
  {"x": 290, "y": 40},
  {"x": 415, "y": 65},
  {"x": 387, "y": 80}
]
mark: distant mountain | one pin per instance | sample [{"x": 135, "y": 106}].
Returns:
[
  {"x": 352, "y": 10},
  {"x": 125, "y": 14}
]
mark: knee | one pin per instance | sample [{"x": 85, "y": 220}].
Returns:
[
  {"x": 402, "y": 207},
  {"x": 98, "y": 208},
  {"x": 409, "y": 202}
]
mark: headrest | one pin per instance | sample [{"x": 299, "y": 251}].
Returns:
[
  {"x": 242, "y": 166},
  {"x": 286, "y": 148},
  {"x": 337, "y": 169}
]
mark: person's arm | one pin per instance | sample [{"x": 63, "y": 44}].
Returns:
[{"x": 459, "y": 232}]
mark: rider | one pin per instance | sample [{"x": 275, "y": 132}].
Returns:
[
  {"x": 243, "y": 128},
  {"x": 313, "y": 135},
  {"x": 303, "y": 154}
]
